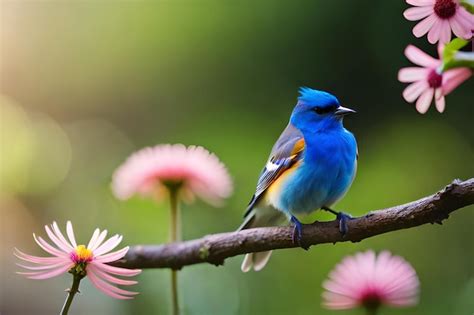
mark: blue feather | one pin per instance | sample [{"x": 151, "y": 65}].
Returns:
[{"x": 309, "y": 96}]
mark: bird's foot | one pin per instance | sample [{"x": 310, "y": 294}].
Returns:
[
  {"x": 298, "y": 233},
  {"x": 343, "y": 218}
]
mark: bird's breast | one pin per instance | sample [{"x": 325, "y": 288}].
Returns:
[{"x": 321, "y": 178}]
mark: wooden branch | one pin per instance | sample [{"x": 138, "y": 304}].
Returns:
[{"x": 216, "y": 248}]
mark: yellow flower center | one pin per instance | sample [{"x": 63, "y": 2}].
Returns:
[{"x": 83, "y": 254}]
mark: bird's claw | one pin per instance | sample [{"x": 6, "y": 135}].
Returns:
[
  {"x": 343, "y": 218},
  {"x": 298, "y": 233}
]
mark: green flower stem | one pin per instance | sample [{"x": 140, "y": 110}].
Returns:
[
  {"x": 468, "y": 5},
  {"x": 460, "y": 59},
  {"x": 174, "y": 291},
  {"x": 453, "y": 57},
  {"x": 372, "y": 311},
  {"x": 71, "y": 292},
  {"x": 175, "y": 237},
  {"x": 175, "y": 216}
]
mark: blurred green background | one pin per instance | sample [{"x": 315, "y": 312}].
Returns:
[{"x": 85, "y": 83}]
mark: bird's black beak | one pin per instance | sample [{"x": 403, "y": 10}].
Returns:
[{"x": 343, "y": 111}]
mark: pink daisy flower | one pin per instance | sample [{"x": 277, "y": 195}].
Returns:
[
  {"x": 371, "y": 281},
  {"x": 193, "y": 170},
  {"x": 440, "y": 17},
  {"x": 428, "y": 81},
  {"x": 80, "y": 260}
]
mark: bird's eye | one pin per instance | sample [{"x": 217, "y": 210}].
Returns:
[
  {"x": 325, "y": 110},
  {"x": 319, "y": 110}
]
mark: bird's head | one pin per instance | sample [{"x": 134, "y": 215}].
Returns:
[{"x": 318, "y": 111}]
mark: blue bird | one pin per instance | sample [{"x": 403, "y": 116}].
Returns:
[{"x": 311, "y": 167}]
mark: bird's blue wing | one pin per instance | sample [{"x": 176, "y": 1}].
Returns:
[{"x": 287, "y": 150}]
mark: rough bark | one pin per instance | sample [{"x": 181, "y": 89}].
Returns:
[{"x": 216, "y": 248}]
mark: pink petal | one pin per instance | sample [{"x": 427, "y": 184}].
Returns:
[
  {"x": 110, "y": 244},
  {"x": 36, "y": 259},
  {"x": 60, "y": 235},
  {"x": 445, "y": 32},
  {"x": 94, "y": 237},
  {"x": 407, "y": 290},
  {"x": 453, "y": 78},
  {"x": 45, "y": 267},
  {"x": 435, "y": 31},
  {"x": 49, "y": 274},
  {"x": 70, "y": 234},
  {"x": 417, "y": 13},
  {"x": 145, "y": 171},
  {"x": 390, "y": 277},
  {"x": 338, "y": 302},
  {"x": 414, "y": 90},
  {"x": 420, "y": 3},
  {"x": 412, "y": 74},
  {"x": 48, "y": 248},
  {"x": 64, "y": 246},
  {"x": 340, "y": 288},
  {"x": 116, "y": 270},
  {"x": 109, "y": 289},
  {"x": 98, "y": 241},
  {"x": 107, "y": 292},
  {"x": 99, "y": 285},
  {"x": 439, "y": 100},
  {"x": 459, "y": 29},
  {"x": 112, "y": 256},
  {"x": 110, "y": 278},
  {"x": 424, "y": 26},
  {"x": 403, "y": 291},
  {"x": 420, "y": 58},
  {"x": 440, "y": 49},
  {"x": 405, "y": 283},
  {"x": 465, "y": 18},
  {"x": 424, "y": 102},
  {"x": 404, "y": 302}
]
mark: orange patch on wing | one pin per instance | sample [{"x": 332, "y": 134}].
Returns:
[
  {"x": 299, "y": 146},
  {"x": 273, "y": 190}
]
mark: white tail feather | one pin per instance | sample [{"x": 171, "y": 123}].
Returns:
[
  {"x": 247, "y": 263},
  {"x": 260, "y": 260},
  {"x": 256, "y": 261},
  {"x": 260, "y": 216}
]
